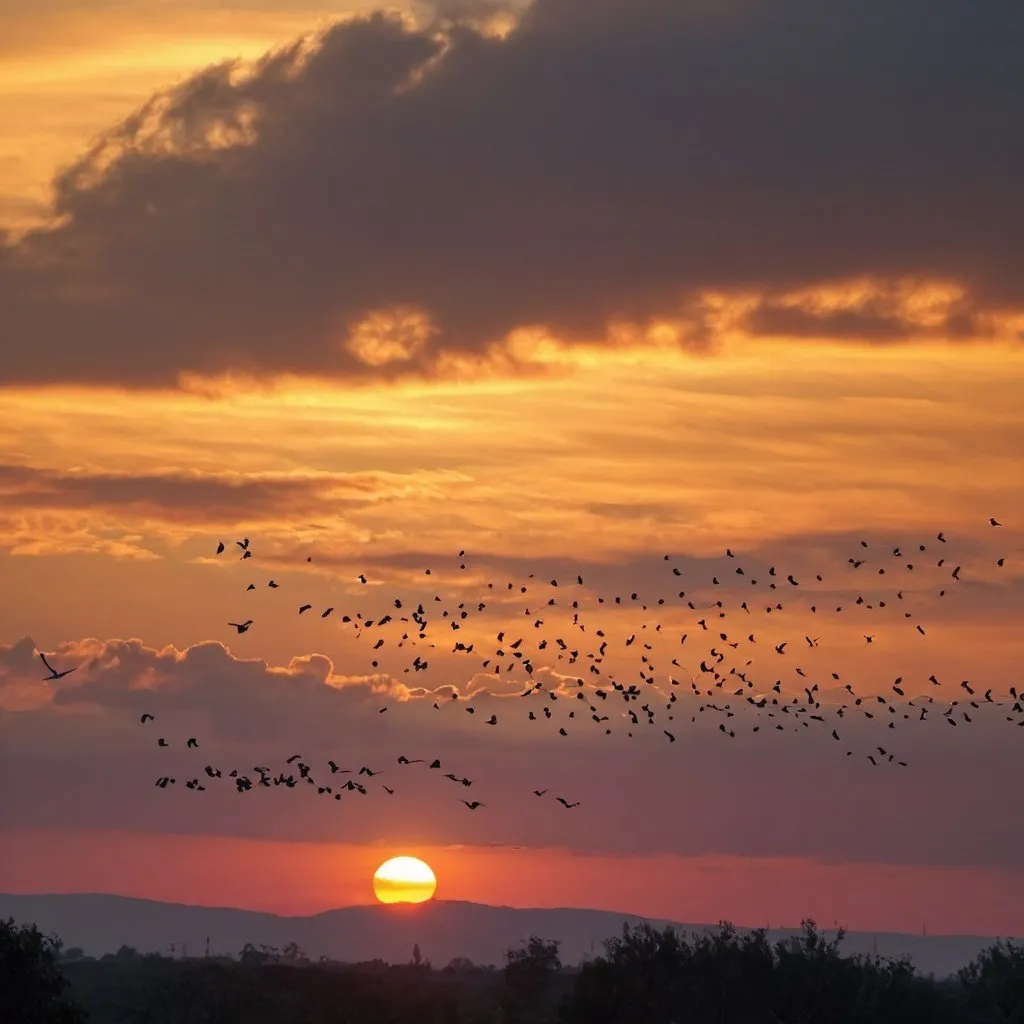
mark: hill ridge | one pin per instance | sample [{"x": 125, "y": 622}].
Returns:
[{"x": 444, "y": 929}]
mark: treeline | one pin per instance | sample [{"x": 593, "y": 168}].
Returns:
[{"x": 645, "y": 976}]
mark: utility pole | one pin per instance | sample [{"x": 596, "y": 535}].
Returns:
[{"x": 206, "y": 955}]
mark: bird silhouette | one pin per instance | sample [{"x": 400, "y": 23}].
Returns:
[{"x": 54, "y": 674}]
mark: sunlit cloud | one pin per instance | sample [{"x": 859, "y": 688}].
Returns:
[{"x": 230, "y": 221}]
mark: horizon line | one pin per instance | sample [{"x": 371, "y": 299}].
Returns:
[{"x": 390, "y": 908}]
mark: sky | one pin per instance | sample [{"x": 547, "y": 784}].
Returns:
[{"x": 567, "y": 287}]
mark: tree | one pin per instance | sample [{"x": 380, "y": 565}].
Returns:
[
  {"x": 994, "y": 982},
  {"x": 529, "y": 973},
  {"x": 252, "y": 956},
  {"x": 652, "y": 977},
  {"x": 32, "y": 984},
  {"x": 293, "y": 953}
]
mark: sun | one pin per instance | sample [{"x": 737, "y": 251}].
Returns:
[{"x": 404, "y": 880}]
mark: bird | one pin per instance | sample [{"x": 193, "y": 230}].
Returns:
[
  {"x": 54, "y": 674},
  {"x": 242, "y": 627},
  {"x": 472, "y": 804},
  {"x": 992, "y": 521},
  {"x": 565, "y": 803},
  {"x": 220, "y": 548},
  {"x": 147, "y": 717},
  {"x": 519, "y": 657},
  {"x": 192, "y": 742}
]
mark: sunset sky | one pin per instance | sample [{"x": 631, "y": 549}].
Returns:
[{"x": 570, "y": 287}]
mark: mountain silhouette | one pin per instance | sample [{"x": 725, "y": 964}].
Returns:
[{"x": 443, "y": 929}]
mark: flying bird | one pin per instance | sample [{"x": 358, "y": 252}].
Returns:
[{"x": 54, "y": 674}]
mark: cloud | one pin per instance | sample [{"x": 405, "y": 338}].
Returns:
[
  {"x": 82, "y": 758},
  {"x": 606, "y": 161},
  {"x": 54, "y": 511},
  {"x": 212, "y": 495}
]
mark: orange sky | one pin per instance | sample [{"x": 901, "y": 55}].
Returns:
[
  {"x": 747, "y": 415},
  {"x": 311, "y": 877}
]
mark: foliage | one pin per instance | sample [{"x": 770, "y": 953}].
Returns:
[
  {"x": 645, "y": 975},
  {"x": 663, "y": 978},
  {"x": 32, "y": 984},
  {"x": 530, "y": 972},
  {"x": 994, "y": 983}
]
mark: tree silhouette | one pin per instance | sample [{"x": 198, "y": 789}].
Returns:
[
  {"x": 645, "y": 976},
  {"x": 32, "y": 984},
  {"x": 293, "y": 953},
  {"x": 994, "y": 983},
  {"x": 529, "y": 972},
  {"x": 658, "y": 977}
]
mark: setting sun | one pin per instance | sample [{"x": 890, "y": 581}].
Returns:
[{"x": 404, "y": 880}]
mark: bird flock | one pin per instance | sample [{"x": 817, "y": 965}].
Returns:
[{"x": 719, "y": 664}]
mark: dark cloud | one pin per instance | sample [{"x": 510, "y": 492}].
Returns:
[
  {"x": 607, "y": 159},
  {"x": 83, "y": 759},
  {"x": 193, "y": 496}
]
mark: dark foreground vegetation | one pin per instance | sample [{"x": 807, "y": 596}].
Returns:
[{"x": 645, "y": 977}]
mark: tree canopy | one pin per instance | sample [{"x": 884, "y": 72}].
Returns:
[{"x": 32, "y": 983}]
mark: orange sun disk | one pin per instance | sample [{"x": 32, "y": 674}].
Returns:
[{"x": 404, "y": 880}]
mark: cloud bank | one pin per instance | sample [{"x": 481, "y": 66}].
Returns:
[
  {"x": 389, "y": 198},
  {"x": 82, "y": 758}
]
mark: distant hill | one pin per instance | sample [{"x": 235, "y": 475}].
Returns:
[{"x": 444, "y": 930}]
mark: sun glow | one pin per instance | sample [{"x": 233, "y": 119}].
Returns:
[{"x": 404, "y": 880}]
